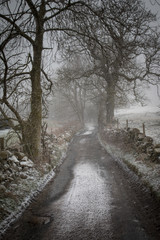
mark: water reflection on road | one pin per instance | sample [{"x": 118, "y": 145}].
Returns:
[{"x": 87, "y": 199}]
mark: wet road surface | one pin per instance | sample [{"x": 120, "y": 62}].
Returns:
[{"x": 92, "y": 197}]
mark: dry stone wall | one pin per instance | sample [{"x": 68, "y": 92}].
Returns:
[{"x": 133, "y": 138}]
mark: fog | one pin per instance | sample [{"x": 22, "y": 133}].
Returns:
[
  {"x": 60, "y": 110},
  {"x": 151, "y": 93},
  {"x": 152, "y": 96}
]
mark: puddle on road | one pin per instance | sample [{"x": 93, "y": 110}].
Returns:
[
  {"x": 87, "y": 201},
  {"x": 39, "y": 220}
]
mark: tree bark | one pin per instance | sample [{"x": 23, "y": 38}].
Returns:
[
  {"x": 101, "y": 111},
  {"x": 34, "y": 123},
  {"x": 35, "y": 119},
  {"x": 110, "y": 102}
]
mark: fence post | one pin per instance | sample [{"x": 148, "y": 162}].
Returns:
[
  {"x": 1, "y": 143},
  {"x": 144, "y": 131},
  {"x": 117, "y": 123},
  {"x": 127, "y": 124}
]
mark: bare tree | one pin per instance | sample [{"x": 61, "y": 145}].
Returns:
[
  {"x": 73, "y": 85},
  {"x": 123, "y": 45},
  {"x": 116, "y": 34},
  {"x": 29, "y": 30}
]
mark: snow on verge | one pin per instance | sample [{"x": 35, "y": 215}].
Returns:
[
  {"x": 147, "y": 171},
  {"x": 137, "y": 115},
  {"x": 13, "y": 216},
  {"x": 33, "y": 183}
]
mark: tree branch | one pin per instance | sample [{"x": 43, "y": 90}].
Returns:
[{"x": 17, "y": 28}]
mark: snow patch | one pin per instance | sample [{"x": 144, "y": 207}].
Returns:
[
  {"x": 138, "y": 109},
  {"x": 87, "y": 133},
  {"x": 89, "y": 126},
  {"x": 136, "y": 116},
  {"x": 26, "y": 201},
  {"x": 89, "y": 130},
  {"x": 13, "y": 159},
  {"x": 28, "y": 180},
  {"x": 147, "y": 171},
  {"x": 26, "y": 164}
]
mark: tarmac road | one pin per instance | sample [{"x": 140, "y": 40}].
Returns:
[{"x": 92, "y": 197}]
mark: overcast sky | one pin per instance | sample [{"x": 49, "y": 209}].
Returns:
[{"x": 154, "y": 6}]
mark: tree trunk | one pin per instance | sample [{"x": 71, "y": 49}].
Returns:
[
  {"x": 101, "y": 112},
  {"x": 35, "y": 119},
  {"x": 110, "y": 103},
  {"x": 36, "y": 108},
  {"x": 81, "y": 116}
]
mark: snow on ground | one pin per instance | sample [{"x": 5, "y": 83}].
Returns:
[
  {"x": 87, "y": 133},
  {"x": 137, "y": 115},
  {"x": 89, "y": 127},
  {"x": 21, "y": 181},
  {"x": 26, "y": 190},
  {"x": 148, "y": 171},
  {"x": 138, "y": 109}
]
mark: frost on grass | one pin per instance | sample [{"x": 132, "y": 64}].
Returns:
[
  {"x": 17, "y": 193},
  {"x": 136, "y": 116},
  {"x": 149, "y": 172},
  {"x": 21, "y": 180}
]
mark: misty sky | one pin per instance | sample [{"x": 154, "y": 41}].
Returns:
[{"x": 154, "y": 6}]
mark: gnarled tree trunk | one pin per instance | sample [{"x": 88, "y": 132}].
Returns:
[
  {"x": 35, "y": 119},
  {"x": 110, "y": 102}
]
